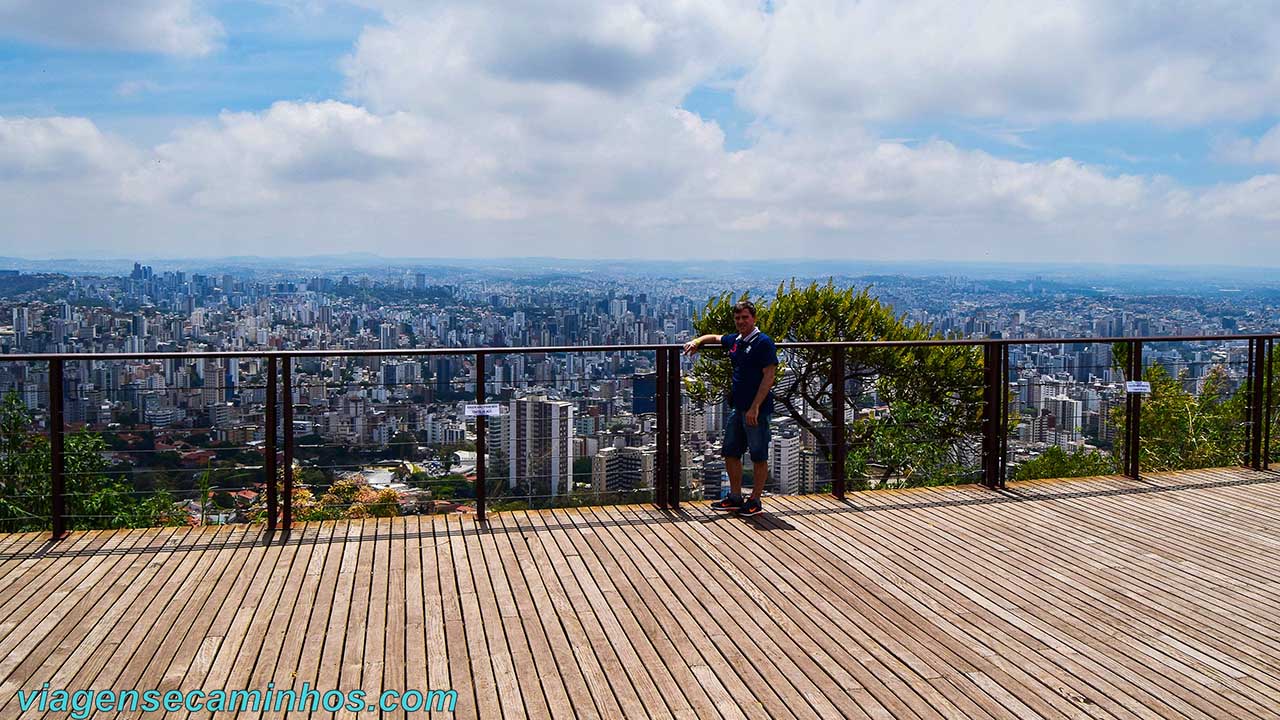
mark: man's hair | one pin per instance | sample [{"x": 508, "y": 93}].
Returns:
[{"x": 744, "y": 305}]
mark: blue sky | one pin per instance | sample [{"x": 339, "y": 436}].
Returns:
[
  {"x": 270, "y": 53},
  {"x": 838, "y": 125},
  {"x": 273, "y": 52}
]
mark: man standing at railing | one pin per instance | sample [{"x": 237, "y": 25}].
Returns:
[{"x": 755, "y": 363}]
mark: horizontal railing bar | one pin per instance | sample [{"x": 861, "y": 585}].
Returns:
[{"x": 401, "y": 352}]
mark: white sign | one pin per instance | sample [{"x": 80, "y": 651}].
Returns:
[
  {"x": 1138, "y": 386},
  {"x": 487, "y": 409}
]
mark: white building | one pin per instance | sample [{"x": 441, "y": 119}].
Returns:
[
  {"x": 539, "y": 445},
  {"x": 784, "y": 457}
]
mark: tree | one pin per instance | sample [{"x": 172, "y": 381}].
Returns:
[
  {"x": 94, "y": 496},
  {"x": 403, "y": 445},
  {"x": 348, "y": 497},
  {"x": 933, "y": 393},
  {"x": 1057, "y": 463},
  {"x": 1181, "y": 430}
]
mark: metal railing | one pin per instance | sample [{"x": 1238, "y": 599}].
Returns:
[{"x": 993, "y": 427}]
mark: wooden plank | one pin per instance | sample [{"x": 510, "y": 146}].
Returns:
[
  {"x": 505, "y": 610},
  {"x": 1190, "y": 597},
  {"x": 1178, "y": 698},
  {"x": 460, "y": 678},
  {"x": 586, "y": 642},
  {"x": 374, "y": 653},
  {"x": 42, "y": 575},
  {"x": 121, "y": 606},
  {"x": 549, "y": 641},
  {"x": 357, "y": 614},
  {"x": 758, "y": 682},
  {"x": 196, "y": 602},
  {"x": 51, "y": 641},
  {"x": 654, "y": 686},
  {"x": 318, "y": 541},
  {"x": 818, "y": 627},
  {"x": 151, "y": 617},
  {"x": 395, "y": 675},
  {"x": 321, "y": 653},
  {"x": 229, "y": 632},
  {"x": 414, "y": 600},
  {"x": 501, "y": 655},
  {"x": 1087, "y": 599},
  {"x": 488, "y": 704},
  {"x": 952, "y": 580},
  {"x": 873, "y": 587},
  {"x": 637, "y": 597},
  {"x": 433, "y": 622},
  {"x": 272, "y": 619},
  {"x": 1147, "y": 621}
]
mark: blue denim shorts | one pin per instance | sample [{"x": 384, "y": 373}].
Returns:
[{"x": 739, "y": 436}]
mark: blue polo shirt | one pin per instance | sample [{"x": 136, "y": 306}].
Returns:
[{"x": 750, "y": 356}]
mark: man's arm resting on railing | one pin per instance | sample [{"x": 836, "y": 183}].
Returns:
[
  {"x": 766, "y": 382},
  {"x": 692, "y": 346}
]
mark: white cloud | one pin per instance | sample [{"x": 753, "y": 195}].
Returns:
[
  {"x": 1080, "y": 60},
  {"x": 172, "y": 27},
  {"x": 54, "y": 148},
  {"x": 1263, "y": 151},
  {"x": 247, "y": 158},
  {"x": 496, "y": 129}
]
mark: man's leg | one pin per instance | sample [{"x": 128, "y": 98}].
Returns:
[
  {"x": 733, "y": 466},
  {"x": 758, "y": 437},
  {"x": 735, "y": 443},
  {"x": 761, "y": 470}
]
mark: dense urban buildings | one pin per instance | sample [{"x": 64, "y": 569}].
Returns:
[{"x": 572, "y": 423}]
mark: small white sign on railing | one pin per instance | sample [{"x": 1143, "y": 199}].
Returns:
[
  {"x": 1138, "y": 387},
  {"x": 485, "y": 409}
]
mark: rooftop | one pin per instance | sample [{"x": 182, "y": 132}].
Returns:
[{"x": 1091, "y": 598}]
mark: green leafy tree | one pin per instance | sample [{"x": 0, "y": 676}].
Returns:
[
  {"x": 930, "y": 432},
  {"x": 1058, "y": 463},
  {"x": 1181, "y": 430},
  {"x": 94, "y": 496}
]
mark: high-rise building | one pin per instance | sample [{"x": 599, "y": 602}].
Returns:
[
  {"x": 638, "y": 465},
  {"x": 713, "y": 479},
  {"x": 21, "y": 324},
  {"x": 1068, "y": 417},
  {"x": 230, "y": 379},
  {"x": 605, "y": 467},
  {"x": 539, "y": 445},
  {"x": 623, "y": 469},
  {"x": 784, "y": 457},
  {"x": 388, "y": 336},
  {"x": 644, "y": 393}
]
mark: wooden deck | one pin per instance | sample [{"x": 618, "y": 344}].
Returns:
[{"x": 1098, "y": 598}]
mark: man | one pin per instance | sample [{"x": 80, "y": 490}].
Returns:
[{"x": 755, "y": 363}]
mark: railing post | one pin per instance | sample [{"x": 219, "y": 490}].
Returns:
[
  {"x": 992, "y": 385},
  {"x": 1133, "y": 417},
  {"x": 1004, "y": 413},
  {"x": 57, "y": 453},
  {"x": 286, "y": 381},
  {"x": 1267, "y": 359},
  {"x": 674, "y": 427},
  {"x": 839, "y": 443},
  {"x": 481, "y": 482},
  {"x": 660, "y": 460},
  {"x": 1257, "y": 401},
  {"x": 270, "y": 446}
]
